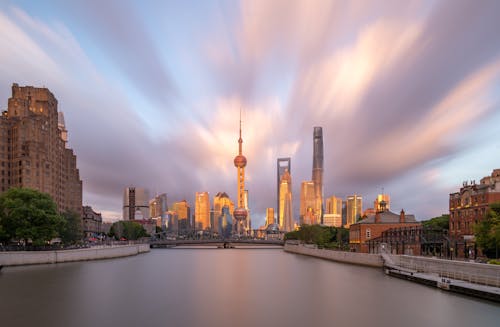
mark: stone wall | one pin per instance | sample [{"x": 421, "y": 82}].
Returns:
[
  {"x": 478, "y": 273},
  {"x": 365, "y": 259},
  {"x": 15, "y": 258}
]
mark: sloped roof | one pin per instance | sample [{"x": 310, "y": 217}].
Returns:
[{"x": 388, "y": 217}]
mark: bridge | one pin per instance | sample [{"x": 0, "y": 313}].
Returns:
[{"x": 217, "y": 243}]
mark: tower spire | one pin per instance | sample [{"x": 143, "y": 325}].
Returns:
[{"x": 240, "y": 140}]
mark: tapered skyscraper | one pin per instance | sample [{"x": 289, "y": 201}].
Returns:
[{"x": 317, "y": 173}]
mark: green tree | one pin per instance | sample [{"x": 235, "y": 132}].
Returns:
[
  {"x": 27, "y": 214},
  {"x": 440, "y": 223},
  {"x": 131, "y": 230},
  {"x": 71, "y": 231},
  {"x": 487, "y": 232}
]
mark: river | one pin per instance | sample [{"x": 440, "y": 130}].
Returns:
[{"x": 226, "y": 287}]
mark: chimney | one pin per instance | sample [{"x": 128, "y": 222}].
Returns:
[{"x": 402, "y": 217}]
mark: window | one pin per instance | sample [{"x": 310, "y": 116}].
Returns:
[{"x": 368, "y": 233}]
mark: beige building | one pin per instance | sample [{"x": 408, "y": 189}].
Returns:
[
  {"x": 202, "y": 211},
  {"x": 135, "y": 203},
  {"x": 33, "y": 148},
  {"x": 333, "y": 212}
]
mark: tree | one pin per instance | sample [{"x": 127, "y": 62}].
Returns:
[
  {"x": 323, "y": 236},
  {"x": 131, "y": 230},
  {"x": 440, "y": 223},
  {"x": 27, "y": 214},
  {"x": 71, "y": 231},
  {"x": 487, "y": 232}
]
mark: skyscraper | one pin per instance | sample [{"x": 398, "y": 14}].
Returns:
[
  {"x": 135, "y": 203},
  {"x": 202, "y": 211},
  {"x": 285, "y": 203},
  {"x": 354, "y": 209},
  {"x": 183, "y": 212},
  {"x": 240, "y": 162},
  {"x": 221, "y": 199},
  {"x": 333, "y": 212},
  {"x": 34, "y": 152},
  {"x": 269, "y": 216},
  {"x": 282, "y": 164},
  {"x": 158, "y": 206},
  {"x": 317, "y": 173},
  {"x": 307, "y": 201}
]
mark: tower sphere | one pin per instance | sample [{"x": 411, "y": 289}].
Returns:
[
  {"x": 240, "y": 161},
  {"x": 240, "y": 213}
]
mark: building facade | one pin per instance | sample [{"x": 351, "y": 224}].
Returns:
[
  {"x": 282, "y": 164},
  {"x": 307, "y": 202},
  {"x": 317, "y": 174},
  {"x": 202, "y": 211},
  {"x": 354, "y": 209},
  {"x": 270, "y": 216},
  {"x": 362, "y": 232},
  {"x": 92, "y": 222},
  {"x": 34, "y": 152},
  {"x": 183, "y": 212},
  {"x": 135, "y": 203},
  {"x": 285, "y": 216},
  {"x": 333, "y": 212},
  {"x": 221, "y": 199},
  {"x": 468, "y": 207}
]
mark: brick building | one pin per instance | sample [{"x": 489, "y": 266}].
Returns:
[
  {"x": 373, "y": 226},
  {"x": 34, "y": 151},
  {"x": 468, "y": 207}
]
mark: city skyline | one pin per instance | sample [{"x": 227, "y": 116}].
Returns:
[{"x": 151, "y": 94}]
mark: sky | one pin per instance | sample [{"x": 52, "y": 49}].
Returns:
[{"x": 407, "y": 94}]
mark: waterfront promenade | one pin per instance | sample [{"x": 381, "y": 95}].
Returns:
[
  {"x": 17, "y": 258},
  {"x": 469, "y": 278}
]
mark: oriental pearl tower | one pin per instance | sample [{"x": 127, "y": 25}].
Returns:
[{"x": 240, "y": 213}]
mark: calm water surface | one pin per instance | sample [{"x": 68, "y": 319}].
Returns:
[{"x": 226, "y": 287}]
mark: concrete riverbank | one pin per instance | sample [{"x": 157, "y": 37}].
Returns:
[
  {"x": 364, "y": 259},
  {"x": 17, "y": 258},
  {"x": 467, "y": 278}
]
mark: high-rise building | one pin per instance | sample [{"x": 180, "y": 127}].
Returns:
[
  {"x": 307, "y": 202},
  {"x": 354, "y": 209},
  {"x": 240, "y": 162},
  {"x": 135, "y": 203},
  {"x": 282, "y": 164},
  {"x": 158, "y": 206},
  {"x": 202, "y": 211},
  {"x": 183, "y": 212},
  {"x": 225, "y": 222},
  {"x": 382, "y": 197},
  {"x": 333, "y": 212},
  {"x": 317, "y": 173},
  {"x": 221, "y": 199},
  {"x": 248, "y": 220},
  {"x": 270, "y": 216},
  {"x": 34, "y": 152},
  {"x": 285, "y": 214}
]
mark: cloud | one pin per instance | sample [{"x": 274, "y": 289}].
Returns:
[{"x": 396, "y": 87}]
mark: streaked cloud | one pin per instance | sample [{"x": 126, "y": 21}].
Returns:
[{"x": 401, "y": 89}]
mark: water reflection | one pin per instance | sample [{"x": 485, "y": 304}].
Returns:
[{"x": 233, "y": 287}]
